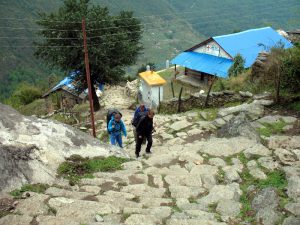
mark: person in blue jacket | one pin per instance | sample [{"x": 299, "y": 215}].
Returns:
[{"x": 116, "y": 128}]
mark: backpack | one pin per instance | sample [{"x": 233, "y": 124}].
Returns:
[
  {"x": 138, "y": 118},
  {"x": 110, "y": 113}
]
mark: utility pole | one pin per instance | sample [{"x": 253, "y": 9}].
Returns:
[{"x": 88, "y": 75}]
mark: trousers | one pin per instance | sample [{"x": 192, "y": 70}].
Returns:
[
  {"x": 140, "y": 142},
  {"x": 116, "y": 139}
]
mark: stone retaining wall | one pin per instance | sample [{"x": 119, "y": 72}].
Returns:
[{"x": 216, "y": 99}]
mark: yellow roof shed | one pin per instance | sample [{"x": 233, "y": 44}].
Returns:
[{"x": 152, "y": 78}]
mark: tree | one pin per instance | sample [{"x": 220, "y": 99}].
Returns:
[
  {"x": 237, "y": 66},
  {"x": 113, "y": 41}
]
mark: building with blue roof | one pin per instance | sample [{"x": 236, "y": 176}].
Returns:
[
  {"x": 214, "y": 56},
  {"x": 69, "y": 92}
]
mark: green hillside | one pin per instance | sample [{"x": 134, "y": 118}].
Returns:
[{"x": 170, "y": 27}]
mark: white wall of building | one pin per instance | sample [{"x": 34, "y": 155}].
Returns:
[
  {"x": 150, "y": 94},
  {"x": 212, "y": 48}
]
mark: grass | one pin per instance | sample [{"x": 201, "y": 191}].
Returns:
[
  {"x": 272, "y": 128},
  {"x": 38, "y": 188},
  {"x": 37, "y": 107},
  {"x": 295, "y": 106},
  {"x": 275, "y": 179},
  {"x": 63, "y": 119},
  {"x": 3, "y": 213},
  {"x": 124, "y": 217},
  {"x": 104, "y": 137},
  {"x": 76, "y": 167},
  {"x": 221, "y": 176},
  {"x": 232, "y": 104},
  {"x": 211, "y": 113}
]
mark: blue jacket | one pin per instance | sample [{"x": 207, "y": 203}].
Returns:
[
  {"x": 137, "y": 111},
  {"x": 116, "y": 128}
]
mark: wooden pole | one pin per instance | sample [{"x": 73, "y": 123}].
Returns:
[
  {"x": 88, "y": 76},
  {"x": 158, "y": 99},
  {"x": 172, "y": 87},
  {"x": 208, "y": 93},
  {"x": 179, "y": 100}
]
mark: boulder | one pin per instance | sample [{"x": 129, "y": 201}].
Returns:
[
  {"x": 31, "y": 149},
  {"x": 238, "y": 126},
  {"x": 252, "y": 110}
]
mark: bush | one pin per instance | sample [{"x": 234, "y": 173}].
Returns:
[
  {"x": 23, "y": 95},
  {"x": 237, "y": 67}
]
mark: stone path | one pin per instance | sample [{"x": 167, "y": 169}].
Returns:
[{"x": 189, "y": 179}]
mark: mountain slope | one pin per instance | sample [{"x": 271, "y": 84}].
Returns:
[{"x": 170, "y": 27}]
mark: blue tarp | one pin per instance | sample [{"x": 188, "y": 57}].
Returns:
[
  {"x": 67, "y": 81},
  {"x": 251, "y": 42},
  {"x": 203, "y": 62}
]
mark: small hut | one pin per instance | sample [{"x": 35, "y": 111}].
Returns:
[
  {"x": 67, "y": 93},
  {"x": 151, "y": 88}
]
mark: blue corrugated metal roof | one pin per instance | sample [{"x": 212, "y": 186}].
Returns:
[
  {"x": 67, "y": 81},
  {"x": 203, "y": 62},
  {"x": 251, "y": 42}
]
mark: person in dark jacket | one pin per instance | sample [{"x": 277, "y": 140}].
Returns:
[
  {"x": 138, "y": 113},
  {"x": 144, "y": 129}
]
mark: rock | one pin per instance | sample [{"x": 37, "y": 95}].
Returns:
[
  {"x": 264, "y": 102},
  {"x": 185, "y": 192},
  {"x": 91, "y": 189},
  {"x": 285, "y": 156},
  {"x": 268, "y": 216},
  {"x": 204, "y": 115},
  {"x": 255, "y": 171},
  {"x": 137, "y": 219},
  {"x": 253, "y": 111},
  {"x": 292, "y": 220},
  {"x": 293, "y": 208},
  {"x": 239, "y": 126},
  {"x": 133, "y": 165},
  {"x": 155, "y": 202},
  {"x": 293, "y": 189},
  {"x": 16, "y": 220},
  {"x": 246, "y": 94},
  {"x": 268, "y": 163},
  {"x": 228, "y": 209},
  {"x": 257, "y": 150},
  {"x": 231, "y": 174},
  {"x": 194, "y": 131},
  {"x": 35, "y": 205},
  {"x": 198, "y": 221},
  {"x": 276, "y": 118},
  {"x": 181, "y": 134},
  {"x": 225, "y": 147},
  {"x": 183, "y": 180},
  {"x": 217, "y": 162},
  {"x": 220, "y": 193},
  {"x": 265, "y": 95},
  {"x": 180, "y": 125},
  {"x": 265, "y": 198},
  {"x": 99, "y": 218},
  {"x": 57, "y": 192},
  {"x": 166, "y": 136},
  {"x": 200, "y": 214},
  {"x": 144, "y": 190},
  {"x": 285, "y": 142},
  {"x": 219, "y": 122},
  {"x": 31, "y": 149}
]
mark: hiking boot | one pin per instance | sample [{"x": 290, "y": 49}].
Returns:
[
  {"x": 149, "y": 152},
  {"x": 137, "y": 156}
]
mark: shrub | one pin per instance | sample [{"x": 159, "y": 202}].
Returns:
[
  {"x": 23, "y": 95},
  {"x": 238, "y": 66}
]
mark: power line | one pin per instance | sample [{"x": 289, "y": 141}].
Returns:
[
  {"x": 117, "y": 27},
  {"x": 137, "y": 17}
]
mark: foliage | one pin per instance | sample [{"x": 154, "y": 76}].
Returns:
[
  {"x": 290, "y": 77},
  {"x": 272, "y": 128},
  {"x": 38, "y": 188},
  {"x": 37, "y": 107},
  {"x": 114, "y": 43},
  {"x": 143, "y": 67},
  {"x": 237, "y": 67},
  {"x": 23, "y": 95},
  {"x": 76, "y": 167},
  {"x": 295, "y": 106}
]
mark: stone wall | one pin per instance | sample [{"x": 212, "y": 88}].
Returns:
[{"x": 216, "y": 99}]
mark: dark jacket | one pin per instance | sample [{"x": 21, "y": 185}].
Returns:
[{"x": 145, "y": 126}]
